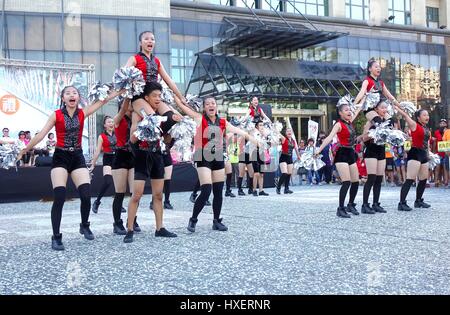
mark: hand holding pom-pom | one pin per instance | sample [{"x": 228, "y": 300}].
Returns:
[{"x": 130, "y": 79}]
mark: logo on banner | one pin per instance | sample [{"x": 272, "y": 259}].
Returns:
[
  {"x": 9, "y": 104},
  {"x": 443, "y": 146}
]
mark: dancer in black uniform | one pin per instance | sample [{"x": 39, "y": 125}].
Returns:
[{"x": 68, "y": 158}]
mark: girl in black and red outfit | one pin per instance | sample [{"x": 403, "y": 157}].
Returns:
[
  {"x": 345, "y": 159},
  {"x": 148, "y": 163},
  {"x": 417, "y": 165},
  {"x": 375, "y": 159},
  {"x": 373, "y": 84},
  {"x": 151, "y": 67},
  {"x": 209, "y": 158},
  {"x": 68, "y": 158},
  {"x": 288, "y": 145},
  {"x": 106, "y": 142}
]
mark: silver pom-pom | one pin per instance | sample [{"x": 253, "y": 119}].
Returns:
[
  {"x": 195, "y": 102},
  {"x": 99, "y": 92},
  {"x": 234, "y": 121},
  {"x": 8, "y": 154},
  {"x": 247, "y": 124},
  {"x": 347, "y": 100},
  {"x": 183, "y": 132},
  {"x": 372, "y": 99},
  {"x": 396, "y": 138},
  {"x": 167, "y": 96},
  {"x": 310, "y": 162},
  {"x": 409, "y": 108},
  {"x": 149, "y": 129},
  {"x": 384, "y": 133},
  {"x": 434, "y": 160},
  {"x": 130, "y": 79}
]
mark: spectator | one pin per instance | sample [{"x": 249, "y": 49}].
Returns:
[
  {"x": 5, "y": 132},
  {"x": 441, "y": 172},
  {"x": 233, "y": 154},
  {"x": 51, "y": 143},
  {"x": 325, "y": 172},
  {"x": 400, "y": 164},
  {"x": 390, "y": 167},
  {"x": 302, "y": 172},
  {"x": 26, "y": 157},
  {"x": 360, "y": 163},
  {"x": 312, "y": 173}
]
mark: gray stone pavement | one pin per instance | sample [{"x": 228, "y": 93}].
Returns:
[{"x": 281, "y": 244}]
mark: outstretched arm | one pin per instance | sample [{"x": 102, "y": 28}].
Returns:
[
  {"x": 389, "y": 96},
  {"x": 327, "y": 140},
  {"x": 38, "y": 138},
  {"x": 89, "y": 110},
  {"x": 411, "y": 123},
  {"x": 362, "y": 92},
  {"x": 187, "y": 110},
  {"x": 170, "y": 83},
  {"x": 97, "y": 152},
  {"x": 123, "y": 110}
]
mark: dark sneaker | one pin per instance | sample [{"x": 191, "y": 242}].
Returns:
[
  {"x": 128, "y": 237},
  {"x": 193, "y": 197},
  {"x": 351, "y": 207},
  {"x": 241, "y": 192},
  {"x": 287, "y": 191},
  {"x": 95, "y": 206},
  {"x": 378, "y": 208},
  {"x": 250, "y": 191},
  {"x": 191, "y": 225},
  {"x": 263, "y": 193},
  {"x": 420, "y": 204},
  {"x": 57, "y": 242},
  {"x": 136, "y": 227},
  {"x": 342, "y": 213},
  {"x": 151, "y": 205},
  {"x": 403, "y": 206},
  {"x": 118, "y": 228},
  {"x": 164, "y": 233},
  {"x": 207, "y": 203},
  {"x": 255, "y": 193},
  {"x": 278, "y": 191},
  {"x": 219, "y": 226},
  {"x": 167, "y": 205},
  {"x": 86, "y": 231},
  {"x": 228, "y": 193},
  {"x": 123, "y": 210},
  {"x": 365, "y": 208}
]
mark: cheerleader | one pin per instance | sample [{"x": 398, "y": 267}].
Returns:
[
  {"x": 245, "y": 163},
  {"x": 148, "y": 163},
  {"x": 194, "y": 194},
  {"x": 288, "y": 145},
  {"x": 373, "y": 84},
  {"x": 122, "y": 166},
  {"x": 151, "y": 67},
  {"x": 209, "y": 158},
  {"x": 106, "y": 142},
  {"x": 345, "y": 159},
  {"x": 255, "y": 111},
  {"x": 68, "y": 158},
  {"x": 375, "y": 159},
  {"x": 257, "y": 162},
  {"x": 417, "y": 160}
]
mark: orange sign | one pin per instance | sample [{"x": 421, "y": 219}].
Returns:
[{"x": 9, "y": 104}]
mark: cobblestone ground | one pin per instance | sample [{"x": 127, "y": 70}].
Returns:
[{"x": 281, "y": 244}]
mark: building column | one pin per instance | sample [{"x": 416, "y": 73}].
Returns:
[
  {"x": 336, "y": 8},
  {"x": 444, "y": 13},
  {"x": 378, "y": 12},
  {"x": 418, "y": 13}
]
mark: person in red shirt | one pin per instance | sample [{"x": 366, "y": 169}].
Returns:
[
  {"x": 418, "y": 156},
  {"x": 441, "y": 172}
]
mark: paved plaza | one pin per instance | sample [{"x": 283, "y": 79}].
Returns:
[{"x": 281, "y": 244}]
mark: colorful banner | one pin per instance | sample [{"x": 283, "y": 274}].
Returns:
[
  {"x": 313, "y": 130},
  {"x": 443, "y": 146},
  {"x": 407, "y": 145}
]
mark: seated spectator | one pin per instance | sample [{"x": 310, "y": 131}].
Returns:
[{"x": 51, "y": 143}]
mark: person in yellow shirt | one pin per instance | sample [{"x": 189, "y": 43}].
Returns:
[
  {"x": 232, "y": 165},
  {"x": 390, "y": 166},
  {"x": 446, "y": 137}
]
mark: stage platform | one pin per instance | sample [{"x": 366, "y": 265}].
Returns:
[{"x": 34, "y": 184}]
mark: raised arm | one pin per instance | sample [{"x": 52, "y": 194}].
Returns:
[
  {"x": 362, "y": 92},
  {"x": 264, "y": 115},
  {"x": 327, "y": 140},
  {"x": 97, "y": 152},
  {"x": 131, "y": 62},
  {"x": 187, "y": 110},
  {"x": 170, "y": 82},
  {"x": 365, "y": 135},
  {"x": 233, "y": 129},
  {"x": 89, "y": 110},
  {"x": 38, "y": 138},
  {"x": 411, "y": 123},
  {"x": 388, "y": 95},
  {"x": 123, "y": 110},
  {"x": 135, "y": 119}
]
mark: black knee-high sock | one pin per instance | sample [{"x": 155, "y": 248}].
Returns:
[
  {"x": 84, "y": 191},
  {"x": 343, "y": 192},
  {"x": 420, "y": 189},
  {"x": 196, "y": 187},
  {"x": 353, "y": 192},
  {"x": 371, "y": 178},
  {"x": 287, "y": 181},
  {"x": 167, "y": 189},
  {"x": 281, "y": 180},
  {"x": 377, "y": 189},
  {"x": 229, "y": 182},
  {"x": 205, "y": 191},
  {"x": 249, "y": 182},
  {"x": 58, "y": 203},
  {"x": 107, "y": 181},
  {"x": 117, "y": 206},
  {"x": 405, "y": 189},
  {"x": 217, "y": 199},
  {"x": 239, "y": 182}
]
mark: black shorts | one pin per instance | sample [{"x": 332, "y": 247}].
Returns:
[
  {"x": 373, "y": 151},
  {"x": 167, "y": 158},
  {"x": 108, "y": 159},
  {"x": 390, "y": 165},
  {"x": 244, "y": 158},
  {"x": 284, "y": 158},
  {"x": 148, "y": 164},
  {"x": 212, "y": 165},
  {"x": 345, "y": 155},
  {"x": 123, "y": 159},
  {"x": 417, "y": 154},
  {"x": 69, "y": 160}
]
